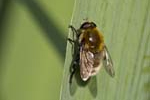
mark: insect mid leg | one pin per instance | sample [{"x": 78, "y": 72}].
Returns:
[{"x": 72, "y": 42}]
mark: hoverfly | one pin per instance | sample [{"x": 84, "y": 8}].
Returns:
[{"x": 90, "y": 51}]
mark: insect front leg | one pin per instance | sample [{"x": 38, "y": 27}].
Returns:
[{"x": 73, "y": 30}]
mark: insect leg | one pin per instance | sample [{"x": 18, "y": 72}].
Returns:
[
  {"x": 75, "y": 32},
  {"x": 73, "y": 68},
  {"x": 75, "y": 60},
  {"x": 72, "y": 42},
  {"x": 72, "y": 71},
  {"x": 73, "y": 29}
]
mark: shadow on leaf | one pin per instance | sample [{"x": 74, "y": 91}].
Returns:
[{"x": 47, "y": 25}]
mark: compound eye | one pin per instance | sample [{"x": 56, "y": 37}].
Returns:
[
  {"x": 86, "y": 25},
  {"x": 93, "y": 24}
]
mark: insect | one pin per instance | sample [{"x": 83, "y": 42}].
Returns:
[{"x": 90, "y": 51}]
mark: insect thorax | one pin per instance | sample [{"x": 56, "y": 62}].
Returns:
[{"x": 91, "y": 39}]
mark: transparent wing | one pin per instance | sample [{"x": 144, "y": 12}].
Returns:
[
  {"x": 86, "y": 64},
  {"x": 108, "y": 64},
  {"x": 98, "y": 62}
]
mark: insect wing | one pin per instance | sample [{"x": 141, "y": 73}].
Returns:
[
  {"x": 86, "y": 63},
  {"x": 108, "y": 64},
  {"x": 98, "y": 62}
]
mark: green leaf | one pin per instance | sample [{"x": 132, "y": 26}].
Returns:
[{"x": 125, "y": 25}]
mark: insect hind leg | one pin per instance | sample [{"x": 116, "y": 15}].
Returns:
[{"x": 73, "y": 69}]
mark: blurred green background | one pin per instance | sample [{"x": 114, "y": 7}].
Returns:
[{"x": 32, "y": 48}]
